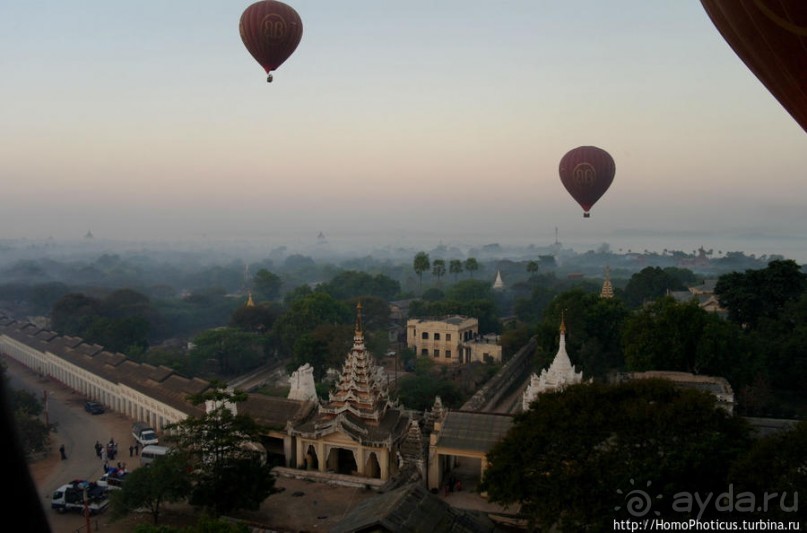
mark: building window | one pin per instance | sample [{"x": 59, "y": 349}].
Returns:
[
  {"x": 424, "y": 335},
  {"x": 437, "y": 336},
  {"x": 448, "y": 337},
  {"x": 436, "y": 353},
  {"x": 424, "y": 351},
  {"x": 448, "y": 354}
]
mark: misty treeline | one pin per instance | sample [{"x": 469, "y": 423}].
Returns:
[{"x": 190, "y": 312}]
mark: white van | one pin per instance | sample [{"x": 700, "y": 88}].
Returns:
[{"x": 149, "y": 453}]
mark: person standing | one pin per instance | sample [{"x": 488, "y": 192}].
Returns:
[{"x": 62, "y": 452}]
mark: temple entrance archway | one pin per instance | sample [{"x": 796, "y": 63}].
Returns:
[
  {"x": 371, "y": 467},
  {"x": 311, "y": 461},
  {"x": 342, "y": 461}
]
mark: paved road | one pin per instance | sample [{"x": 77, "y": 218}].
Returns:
[{"x": 78, "y": 431}]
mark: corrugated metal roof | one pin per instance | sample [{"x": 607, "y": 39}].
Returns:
[{"x": 471, "y": 431}]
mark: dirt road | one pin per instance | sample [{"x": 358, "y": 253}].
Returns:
[{"x": 300, "y": 506}]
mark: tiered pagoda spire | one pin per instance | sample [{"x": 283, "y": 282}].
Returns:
[
  {"x": 607, "y": 287},
  {"x": 360, "y": 389},
  {"x": 560, "y": 373}
]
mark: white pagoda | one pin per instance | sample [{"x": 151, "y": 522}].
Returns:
[{"x": 560, "y": 374}]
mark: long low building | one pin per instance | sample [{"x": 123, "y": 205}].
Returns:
[{"x": 156, "y": 395}]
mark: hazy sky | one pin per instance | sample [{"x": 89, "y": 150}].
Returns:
[{"x": 393, "y": 121}]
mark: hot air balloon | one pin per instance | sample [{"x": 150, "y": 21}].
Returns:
[
  {"x": 770, "y": 36},
  {"x": 271, "y": 31},
  {"x": 587, "y": 172}
]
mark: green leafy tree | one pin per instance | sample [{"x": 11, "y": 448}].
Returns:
[
  {"x": 72, "y": 313},
  {"x": 455, "y": 268},
  {"x": 257, "y": 319},
  {"x": 353, "y": 284},
  {"x": 469, "y": 290},
  {"x": 311, "y": 348},
  {"x": 532, "y": 267},
  {"x": 438, "y": 269},
  {"x": 419, "y": 392},
  {"x": 651, "y": 283},
  {"x": 421, "y": 264},
  {"x": 471, "y": 266},
  {"x": 667, "y": 335},
  {"x": 306, "y": 313},
  {"x": 227, "y": 475},
  {"x": 234, "y": 351},
  {"x": 163, "y": 481},
  {"x": 760, "y": 294},
  {"x": 26, "y": 409},
  {"x": 587, "y": 441},
  {"x": 266, "y": 284},
  {"x": 775, "y": 465}
]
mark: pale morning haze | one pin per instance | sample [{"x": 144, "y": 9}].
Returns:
[{"x": 393, "y": 122}]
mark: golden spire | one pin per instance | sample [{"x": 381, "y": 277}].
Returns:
[
  {"x": 562, "y": 323},
  {"x": 250, "y": 303},
  {"x": 358, "y": 318}
]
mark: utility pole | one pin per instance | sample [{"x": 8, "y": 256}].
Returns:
[
  {"x": 45, "y": 402},
  {"x": 87, "y": 510}
]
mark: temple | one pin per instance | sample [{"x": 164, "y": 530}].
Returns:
[
  {"x": 359, "y": 431},
  {"x": 559, "y": 375}
]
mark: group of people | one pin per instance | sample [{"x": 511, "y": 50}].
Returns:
[{"x": 108, "y": 452}]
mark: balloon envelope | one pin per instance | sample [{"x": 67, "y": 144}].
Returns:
[
  {"x": 587, "y": 172},
  {"x": 271, "y": 31},
  {"x": 770, "y": 36}
]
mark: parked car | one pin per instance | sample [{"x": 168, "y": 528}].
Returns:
[{"x": 93, "y": 408}]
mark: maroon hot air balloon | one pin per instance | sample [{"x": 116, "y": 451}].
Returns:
[
  {"x": 271, "y": 31},
  {"x": 770, "y": 36},
  {"x": 587, "y": 172}
]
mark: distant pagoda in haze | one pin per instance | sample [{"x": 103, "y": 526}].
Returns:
[{"x": 607, "y": 288}]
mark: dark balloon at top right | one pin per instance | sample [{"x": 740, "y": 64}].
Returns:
[
  {"x": 587, "y": 172},
  {"x": 770, "y": 36}
]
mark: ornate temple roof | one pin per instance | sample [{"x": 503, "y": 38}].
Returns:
[
  {"x": 361, "y": 389},
  {"x": 360, "y": 405}
]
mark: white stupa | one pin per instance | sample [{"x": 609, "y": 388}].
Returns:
[
  {"x": 498, "y": 284},
  {"x": 559, "y": 375}
]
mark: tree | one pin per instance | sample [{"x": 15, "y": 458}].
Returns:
[
  {"x": 73, "y": 312},
  {"x": 227, "y": 474},
  {"x": 266, "y": 284},
  {"x": 233, "y": 350},
  {"x": 421, "y": 264},
  {"x": 760, "y": 294},
  {"x": 25, "y": 409},
  {"x": 455, "y": 267},
  {"x": 651, "y": 283},
  {"x": 532, "y": 267},
  {"x": 775, "y": 465},
  {"x": 471, "y": 265},
  {"x": 352, "y": 284},
  {"x": 308, "y": 312},
  {"x": 165, "y": 480},
  {"x": 469, "y": 290},
  {"x": 571, "y": 458},
  {"x": 256, "y": 319},
  {"x": 438, "y": 269},
  {"x": 667, "y": 335}
]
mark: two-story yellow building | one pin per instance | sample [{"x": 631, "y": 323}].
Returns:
[{"x": 451, "y": 339}]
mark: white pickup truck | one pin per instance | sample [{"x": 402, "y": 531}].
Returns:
[
  {"x": 72, "y": 496},
  {"x": 144, "y": 434}
]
